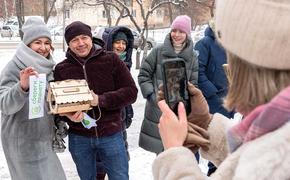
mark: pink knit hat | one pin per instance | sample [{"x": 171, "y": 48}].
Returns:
[{"x": 182, "y": 23}]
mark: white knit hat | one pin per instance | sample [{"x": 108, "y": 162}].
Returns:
[
  {"x": 34, "y": 28},
  {"x": 257, "y": 31}
]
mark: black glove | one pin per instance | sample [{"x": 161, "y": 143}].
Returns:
[{"x": 60, "y": 132}]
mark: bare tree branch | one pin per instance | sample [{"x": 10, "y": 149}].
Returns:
[
  {"x": 159, "y": 5},
  {"x": 93, "y": 4},
  {"x": 209, "y": 4},
  {"x": 46, "y": 14},
  {"x": 125, "y": 11},
  {"x": 51, "y": 7},
  {"x": 129, "y": 14}
]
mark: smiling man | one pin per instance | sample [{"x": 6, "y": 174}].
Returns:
[{"x": 114, "y": 88}]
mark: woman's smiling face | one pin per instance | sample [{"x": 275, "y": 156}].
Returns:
[
  {"x": 178, "y": 37},
  {"x": 41, "y": 46},
  {"x": 119, "y": 46}
]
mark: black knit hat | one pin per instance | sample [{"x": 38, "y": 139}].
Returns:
[
  {"x": 75, "y": 29},
  {"x": 120, "y": 36}
]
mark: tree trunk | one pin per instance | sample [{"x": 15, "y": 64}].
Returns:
[
  {"x": 145, "y": 53},
  {"x": 138, "y": 55},
  {"x": 141, "y": 46},
  {"x": 212, "y": 9},
  {"x": 45, "y": 14},
  {"x": 170, "y": 13},
  {"x": 5, "y": 9},
  {"x": 47, "y": 11},
  {"x": 20, "y": 15},
  {"x": 145, "y": 41},
  {"x": 120, "y": 17},
  {"x": 13, "y": 7},
  {"x": 108, "y": 14}
]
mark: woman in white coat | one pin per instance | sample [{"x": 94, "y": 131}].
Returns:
[
  {"x": 27, "y": 143},
  {"x": 258, "y": 147}
]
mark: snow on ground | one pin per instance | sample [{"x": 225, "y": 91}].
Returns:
[{"x": 141, "y": 160}]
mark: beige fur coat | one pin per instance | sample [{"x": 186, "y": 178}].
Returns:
[{"x": 267, "y": 157}]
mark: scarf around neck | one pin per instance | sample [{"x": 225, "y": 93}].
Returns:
[
  {"x": 26, "y": 57},
  {"x": 178, "y": 47},
  {"x": 262, "y": 120},
  {"x": 122, "y": 56}
]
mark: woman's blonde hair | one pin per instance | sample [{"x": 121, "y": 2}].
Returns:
[{"x": 251, "y": 85}]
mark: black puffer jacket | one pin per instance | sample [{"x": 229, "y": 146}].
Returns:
[{"x": 108, "y": 35}]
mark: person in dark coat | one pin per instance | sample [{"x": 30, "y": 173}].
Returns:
[
  {"x": 212, "y": 79},
  {"x": 255, "y": 35},
  {"x": 113, "y": 88},
  {"x": 119, "y": 39},
  {"x": 177, "y": 44}
]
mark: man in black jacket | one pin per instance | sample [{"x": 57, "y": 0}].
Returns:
[{"x": 113, "y": 87}]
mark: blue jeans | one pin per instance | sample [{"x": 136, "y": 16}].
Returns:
[{"x": 110, "y": 149}]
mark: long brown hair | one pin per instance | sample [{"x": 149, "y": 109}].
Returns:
[{"x": 252, "y": 85}]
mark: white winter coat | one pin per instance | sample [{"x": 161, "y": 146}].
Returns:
[
  {"x": 27, "y": 143},
  {"x": 266, "y": 157}
]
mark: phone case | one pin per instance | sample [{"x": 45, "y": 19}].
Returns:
[{"x": 175, "y": 83}]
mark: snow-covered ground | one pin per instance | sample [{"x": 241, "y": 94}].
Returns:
[{"x": 141, "y": 160}]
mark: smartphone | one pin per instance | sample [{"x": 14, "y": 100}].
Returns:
[{"x": 175, "y": 84}]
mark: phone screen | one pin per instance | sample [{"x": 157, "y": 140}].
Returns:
[{"x": 175, "y": 83}]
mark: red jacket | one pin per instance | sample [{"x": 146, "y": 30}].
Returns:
[{"x": 110, "y": 79}]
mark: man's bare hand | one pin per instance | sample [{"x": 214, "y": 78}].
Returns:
[
  {"x": 74, "y": 116},
  {"x": 95, "y": 101}
]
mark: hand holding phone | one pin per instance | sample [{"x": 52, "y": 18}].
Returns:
[{"x": 175, "y": 84}]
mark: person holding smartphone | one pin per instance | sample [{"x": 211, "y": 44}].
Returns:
[
  {"x": 259, "y": 88},
  {"x": 212, "y": 79},
  {"x": 177, "y": 44}
]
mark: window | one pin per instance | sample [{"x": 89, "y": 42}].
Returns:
[
  {"x": 105, "y": 14},
  {"x": 67, "y": 14}
]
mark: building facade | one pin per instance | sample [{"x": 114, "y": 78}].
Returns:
[{"x": 97, "y": 16}]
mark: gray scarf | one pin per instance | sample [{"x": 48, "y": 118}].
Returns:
[{"x": 25, "y": 57}]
